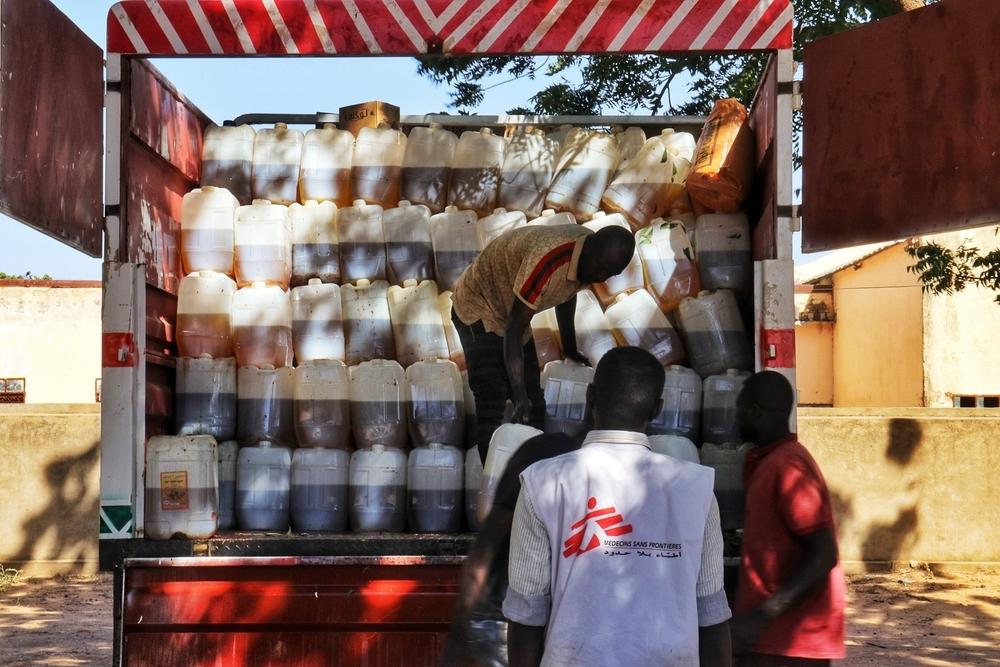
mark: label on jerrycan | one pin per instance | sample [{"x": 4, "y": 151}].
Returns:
[{"x": 174, "y": 490}]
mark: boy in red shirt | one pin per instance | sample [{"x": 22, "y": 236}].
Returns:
[{"x": 790, "y": 602}]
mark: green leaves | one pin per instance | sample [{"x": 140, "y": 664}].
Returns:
[
  {"x": 651, "y": 83},
  {"x": 944, "y": 270}
]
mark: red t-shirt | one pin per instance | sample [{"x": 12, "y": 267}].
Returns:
[{"x": 786, "y": 496}]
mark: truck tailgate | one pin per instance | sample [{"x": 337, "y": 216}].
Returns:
[{"x": 347, "y": 611}]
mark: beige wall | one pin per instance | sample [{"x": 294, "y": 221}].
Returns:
[
  {"x": 914, "y": 484},
  {"x": 814, "y": 362},
  {"x": 51, "y": 336},
  {"x": 51, "y": 488},
  {"x": 878, "y": 338},
  {"x": 961, "y": 334}
]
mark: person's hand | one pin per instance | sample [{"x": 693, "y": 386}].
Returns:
[
  {"x": 747, "y": 628},
  {"x": 521, "y": 412},
  {"x": 574, "y": 355}
]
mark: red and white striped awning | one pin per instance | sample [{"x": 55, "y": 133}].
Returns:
[{"x": 415, "y": 27}]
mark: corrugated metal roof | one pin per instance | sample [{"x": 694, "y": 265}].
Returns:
[{"x": 837, "y": 260}]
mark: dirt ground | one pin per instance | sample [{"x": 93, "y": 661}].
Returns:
[{"x": 914, "y": 617}]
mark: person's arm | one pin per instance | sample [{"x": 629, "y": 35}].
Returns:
[
  {"x": 818, "y": 558},
  {"x": 525, "y": 645},
  {"x": 715, "y": 645},
  {"x": 714, "y": 640},
  {"x": 493, "y": 536},
  {"x": 513, "y": 358},
  {"x": 528, "y": 600},
  {"x": 566, "y": 317}
]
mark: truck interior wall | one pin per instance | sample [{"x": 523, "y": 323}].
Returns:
[
  {"x": 161, "y": 159},
  {"x": 762, "y": 204}
]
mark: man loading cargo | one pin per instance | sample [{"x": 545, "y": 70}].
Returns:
[{"x": 524, "y": 271}]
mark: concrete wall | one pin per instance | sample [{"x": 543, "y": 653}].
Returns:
[
  {"x": 915, "y": 484},
  {"x": 50, "y": 480},
  {"x": 814, "y": 362},
  {"x": 51, "y": 337},
  {"x": 961, "y": 355},
  {"x": 878, "y": 339}
]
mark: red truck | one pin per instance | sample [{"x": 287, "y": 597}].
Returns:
[{"x": 900, "y": 138}]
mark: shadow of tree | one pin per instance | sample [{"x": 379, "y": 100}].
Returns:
[
  {"x": 905, "y": 436},
  {"x": 65, "y": 529},
  {"x": 886, "y": 542},
  {"x": 915, "y": 618}
]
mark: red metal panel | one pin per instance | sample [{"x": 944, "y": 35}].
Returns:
[
  {"x": 777, "y": 348},
  {"x": 762, "y": 203},
  {"x": 165, "y": 121},
  {"x": 368, "y": 612},
  {"x": 159, "y": 387},
  {"x": 118, "y": 350},
  {"x": 460, "y": 27},
  {"x": 51, "y": 124},
  {"x": 161, "y": 350},
  {"x": 901, "y": 121},
  {"x": 152, "y": 213},
  {"x": 161, "y": 161}
]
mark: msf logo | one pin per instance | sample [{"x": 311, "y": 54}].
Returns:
[{"x": 607, "y": 520}]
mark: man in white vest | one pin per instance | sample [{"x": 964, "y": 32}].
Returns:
[{"x": 616, "y": 551}]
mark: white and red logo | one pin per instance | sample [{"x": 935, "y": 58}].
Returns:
[{"x": 606, "y": 520}]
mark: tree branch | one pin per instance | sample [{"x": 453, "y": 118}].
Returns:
[{"x": 664, "y": 89}]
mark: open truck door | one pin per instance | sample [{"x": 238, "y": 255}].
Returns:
[
  {"x": 51, "y": 115},
  {"x": 902, "y": 127}
]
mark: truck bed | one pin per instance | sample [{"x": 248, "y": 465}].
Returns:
[{"x": 290, "y": 610}]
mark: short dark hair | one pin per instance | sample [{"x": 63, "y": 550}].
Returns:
[
  {"x": 617, "y": 244},
  {"x": 770, "y": 391},
  {"x": 627, "y": 383}
]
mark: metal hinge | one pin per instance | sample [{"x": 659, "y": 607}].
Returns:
[
  {"x": 792, "y": 213},
  {"x": 796, "y": 95}
]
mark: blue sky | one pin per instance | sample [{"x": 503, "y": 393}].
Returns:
[{"x": 225, "y": 88}]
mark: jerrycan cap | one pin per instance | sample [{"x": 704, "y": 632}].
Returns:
[
  {"x": 485, "y": 131},
  {"x": 205, "y": 355},
  {"x": 359, "y": 203},
  {"x": 363, "y": 282},
  {"x": 258, "y": 284},
  {"x": 435, "y": 126},
  {"x": 675, "y": 368},
  {"x": 310, "y": 203},
  {"x": 281, "y": 126},
  {"x": 435, "y": 446},
  {"x": 500, "y": 210},
  {"x": 451, "y": 208},
  {"x": 621, "y": 297},
  {"x": 261, "y": 202},
  {"x": 667, "y": 131},
  {"x": 704, "y": 292},
  {"x": 378, "y": 449},
  {"x": 315, "y": 281},
  {"x": 733, "y": 372},
  {"x": 548, "y": 213},
  {"x": 403, "y": 203},
  {"x": 328, "y": 126},
  {"x": 410, "y": 282}
]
